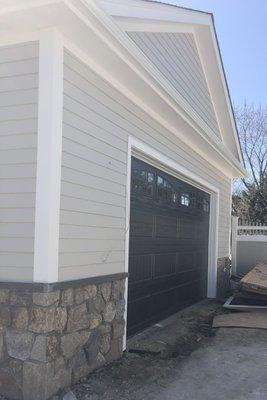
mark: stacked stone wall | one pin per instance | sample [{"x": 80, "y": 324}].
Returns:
[{"x": 50, "y": 339}]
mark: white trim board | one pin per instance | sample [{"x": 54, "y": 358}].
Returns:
[
  {"x": 149, "y": 154},
  {"x": 49, "y": 154}
]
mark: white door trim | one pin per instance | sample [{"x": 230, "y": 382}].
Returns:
[{"x": 151, "y": 155}]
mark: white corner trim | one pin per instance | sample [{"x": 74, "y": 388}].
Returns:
[
  {"x": 50, "y": 108},
  {"x": 127, "y": 234},
  {"x": 149, "y": 154},
  {"x": 213, "y": 245}
]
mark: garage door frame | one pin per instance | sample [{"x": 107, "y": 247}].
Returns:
[{"x": 148, "y": 154}]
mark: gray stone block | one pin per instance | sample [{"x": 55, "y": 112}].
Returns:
[
  {"x": 105, "y": 327},
  {"x": 95, "y": 320},
  {"x": 92, "y": 346},
  {"x": 20, "y": 298},
  {"x": 91, "y": 291},
  {"x": 118, "y": 288},
  {"x": 115, "y": 351},
  {"x": 46, "y": 299},
  {"x": 1, "y": 347},
  {"x": 5, "y": 317},
  {"x": 105, "y": 289},
  {"x": 45, "y": 348},
  {"x": 98, "y": 304},
  {"x": 85, "y": 293},
  {"x": 42, "y": 319},
  {"x": 38, "y": 381},
  {"x": 4, "y": 295},
  {"x": 19, "y": 344},
  {"x": 11, "y": 380},
  {"x": 78, "y": 318},
  {"x": 69, "y": 396},
  {"x": 20, "y": 318},
  {"x": 120, "y": 309},
  {"x": 72, "y": 341},
  {"x": 61, "y": 318},
  {"x": 104, "y": 343},
  {"x": 109, "y": 311},
  {"x": 67, "y": 297},
  {"x": 118, "y": 329}
]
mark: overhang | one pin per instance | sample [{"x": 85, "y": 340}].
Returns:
[{"x": 94, "y": 36}]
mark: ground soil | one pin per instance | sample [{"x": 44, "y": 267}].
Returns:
[{"x": 152, "y": 356}]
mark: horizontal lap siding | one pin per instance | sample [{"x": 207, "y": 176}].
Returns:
[
  {"x": 176, "y": 57},
  {"x": 97, "y": 122},
  {"x": 18, "y": 150}
]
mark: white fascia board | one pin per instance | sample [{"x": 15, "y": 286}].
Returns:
[
  {"x": 126, "y": 70},
  {"x": 208, "y": 49},
  {"x": 144, "y": 25},
  {"x": 49, "y": 155},
  {"x": 153, "y": 10}
]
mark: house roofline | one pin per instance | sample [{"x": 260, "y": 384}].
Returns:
[
  {"x": 227, "y": 87},
  {"x": 212, "y": 26},
  {"x": 76, "y": 19},
  {"x": 177, "y": 6},
  {"x": 220, "y": 54}
]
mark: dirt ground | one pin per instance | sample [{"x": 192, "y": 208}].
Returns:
[
  {"x": 185, "y": 359},
  {"x": 151, "y": 356}
]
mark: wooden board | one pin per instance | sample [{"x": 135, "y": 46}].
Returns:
[
  {"x": 253, "y": 319},
  {"x": 256, "y": 280}
]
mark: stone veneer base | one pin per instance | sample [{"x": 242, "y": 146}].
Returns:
[
  {"x": 51, "y": 335},
  {"x": 223, "y": 277}
]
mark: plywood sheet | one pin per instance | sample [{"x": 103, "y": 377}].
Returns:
[
  {"x": 253, "y": 319},
  {"x": 256, "y": 280}
]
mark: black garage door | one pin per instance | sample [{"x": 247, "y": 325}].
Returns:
[{"x": 168, "y": 253}]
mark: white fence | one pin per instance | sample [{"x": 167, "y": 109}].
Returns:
[{"x": 249, "y": 245}]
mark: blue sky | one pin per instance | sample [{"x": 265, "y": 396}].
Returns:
[{"x": 242, "y": 31}]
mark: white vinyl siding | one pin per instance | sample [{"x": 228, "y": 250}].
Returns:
[
  {"x": 175, "y": 55},
  {"x": 97, "y": 121},
  {"x": 18, "y": 150}
]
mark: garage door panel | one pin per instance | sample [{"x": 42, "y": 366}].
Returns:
[
  {"x": 165, "y": 264},
  {"x": 142, "y": 224},
  {"x": 186, "y": 260},
  {"x": 168, "y": 249},
  {"x": 166, "y": 226},
  {"x": 141, "y": 267},
  {"x": 139, "y": 312}
]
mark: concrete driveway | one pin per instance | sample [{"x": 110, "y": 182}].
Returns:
[
  {"x": 232, "y": 366},
  {"x": 184, "y": 359}
]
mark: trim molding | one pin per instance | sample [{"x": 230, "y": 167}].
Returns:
[
  {"x": 51, "y": 287},
  {"x": 49, "y": 153},
  {"x": 143, "y": 151}
]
